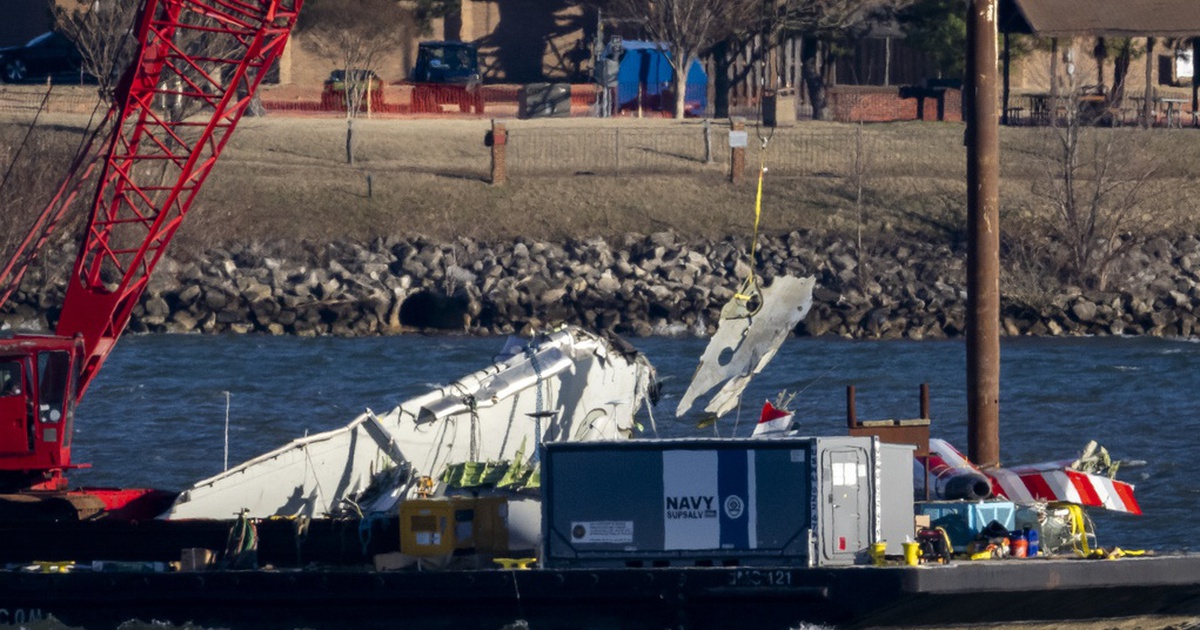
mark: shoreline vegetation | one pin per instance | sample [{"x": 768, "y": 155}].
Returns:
[{"x": 287, "y": 239}]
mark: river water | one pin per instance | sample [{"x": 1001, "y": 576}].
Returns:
[{"x": 156, "y": 415}]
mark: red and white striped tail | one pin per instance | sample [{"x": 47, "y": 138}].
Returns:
[
  {"x": 1049, "y": 481},
  {"x": 1070, "y": 486},
  {"x": 774, "y": 422}
]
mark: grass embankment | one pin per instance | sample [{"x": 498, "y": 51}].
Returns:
[{"x": 285, "y": 179}]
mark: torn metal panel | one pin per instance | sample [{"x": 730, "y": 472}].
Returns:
[
  {"x": 513, "y": 375},
  {"x": 591, "y": 385},
  {"x": 308, "y": 477},
  {"x": 746, "y": 340}
]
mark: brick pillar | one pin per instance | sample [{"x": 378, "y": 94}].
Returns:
[
  {"x": 737, "y": 151},
  {"x": 498, "y": 139}
]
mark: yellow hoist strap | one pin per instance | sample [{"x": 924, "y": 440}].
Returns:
[
  {"x": 762, "y": 168},
  {"x": 1079, "y": 533}
]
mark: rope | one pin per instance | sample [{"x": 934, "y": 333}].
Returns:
[
  {"x": 737, "y": 417},
  {"x": 646, "y": 396},
  {"x": 748, "y": 291},
  {"x": 537, "y": 371},
  {"x": 762, "y": 169},
  {"x": 25, "y": 140},
  {"x": 1079, "y": 530},
  {"x": 241, "y": 545},
  {"x": 473, "y": 406},
  {"x": 366, "y": 526},
  {"x": 308, "y": 461},
  {"x": 765, "y": 21}
]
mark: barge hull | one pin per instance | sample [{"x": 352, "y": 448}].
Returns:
[{"x": 692, "y": 597}]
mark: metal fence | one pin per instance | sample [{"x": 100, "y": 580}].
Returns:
[
  {"x": 629, "y": 147},
  {"x": 612, "y": 150},
  {"x": 679, "y": 149},
  {"x": 30, "y": 99}
]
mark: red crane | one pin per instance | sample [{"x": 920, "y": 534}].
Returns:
[{"x": 198, "y": 64}]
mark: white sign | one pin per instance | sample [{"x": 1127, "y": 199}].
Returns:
[
  {"x": 709, "y": 500},
  {"x": 738, "y": 139},
  {"x": 691, "y": 520},
  {"x": 602, "y": 532}
]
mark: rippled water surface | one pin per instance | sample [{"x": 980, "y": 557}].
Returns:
[{"x": 156, "y": 414}]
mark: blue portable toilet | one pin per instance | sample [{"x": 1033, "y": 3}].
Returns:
[{"x": 643, "y": 64}]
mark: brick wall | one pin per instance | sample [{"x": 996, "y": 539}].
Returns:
[{"x": 885, "y": 104}]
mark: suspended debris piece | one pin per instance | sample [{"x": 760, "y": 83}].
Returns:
[{"x": 753, "y": 326}]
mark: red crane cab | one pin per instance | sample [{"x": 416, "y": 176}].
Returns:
[{"x": 39, "y": 382}]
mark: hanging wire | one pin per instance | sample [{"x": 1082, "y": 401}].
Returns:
[
  {"x": 765, "y": 69},
  {"x": 28, "y": 132},
  {"x": 79, "y": 171},
  {"x": 750, "y": 289}
]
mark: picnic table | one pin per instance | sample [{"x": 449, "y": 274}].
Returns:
[
  {"x": 1043, "y": 105},
  {"x": 1173, "y": 108}
]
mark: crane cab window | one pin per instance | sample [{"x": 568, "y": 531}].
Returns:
[
  {"x": 10, "y": 378},
  {"x": 55, "y": 368}
]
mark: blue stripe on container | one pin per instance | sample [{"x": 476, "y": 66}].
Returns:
[{"x": 733, "y": 487}]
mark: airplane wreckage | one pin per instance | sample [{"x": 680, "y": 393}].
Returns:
[
  {"x": 482, "y": 434},
  {"x": 565, "y": 385}
]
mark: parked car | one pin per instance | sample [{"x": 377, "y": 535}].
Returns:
[
  {"x": 334, "y": 95},
  {"x": 47, "y": 54},
  {"x": 446, "y": 73},
  {"x": 447, "y": 62}
]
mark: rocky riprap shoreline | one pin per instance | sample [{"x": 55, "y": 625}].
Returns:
[{"x": 638, "y": 285}]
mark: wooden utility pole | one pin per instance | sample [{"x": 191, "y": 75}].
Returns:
[
  {"x": 1195, "y": 75},
  {"x": 737, "y": 150},
  {"x": 498, "y": 141},
  {"x": 983, "y": 229}
]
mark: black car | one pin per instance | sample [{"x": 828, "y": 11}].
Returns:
[
  {"x": 446, "y": 62},
  {"x": 47, "y": 54}
]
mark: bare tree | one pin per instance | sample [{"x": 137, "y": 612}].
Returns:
[
  {"x": 356, "y": 33},
  {"x": 1102, "y": 190},
  {"x": 103, "y": 31},
  {"x": 686, "y": 29}
]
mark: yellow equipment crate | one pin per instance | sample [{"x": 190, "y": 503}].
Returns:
[{"x": 440, "y": 526}]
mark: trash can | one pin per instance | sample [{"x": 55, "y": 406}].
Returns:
[{"x": 779, "y": 107}]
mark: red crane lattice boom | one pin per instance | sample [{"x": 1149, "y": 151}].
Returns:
[
  {"x": 156, "y": 161},
  {"x": 197, "y": 67}
]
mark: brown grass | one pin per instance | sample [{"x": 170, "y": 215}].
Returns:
[{"x": 284, "y": 179}]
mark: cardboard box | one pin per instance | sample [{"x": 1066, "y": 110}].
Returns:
[{"x": 393, "y": 561}]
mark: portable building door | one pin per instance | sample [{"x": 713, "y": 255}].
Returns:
[{"x": 846, "y": 487}]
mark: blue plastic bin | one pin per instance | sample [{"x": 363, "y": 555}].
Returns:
[{"x": 963, "y": 520}]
